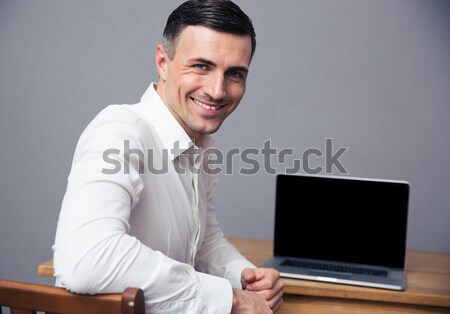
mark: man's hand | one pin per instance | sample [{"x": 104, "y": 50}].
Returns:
[
  {"x": 247, "y": 302},
  {"x": 265, "y": 282}
]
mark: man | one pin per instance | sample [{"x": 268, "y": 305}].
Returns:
[{"x": 135, "y": 225}]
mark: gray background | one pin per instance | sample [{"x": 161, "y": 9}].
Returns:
[{"x": 372, "y": 75}]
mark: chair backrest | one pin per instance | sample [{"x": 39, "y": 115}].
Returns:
[{"x": 28, "y": 298}]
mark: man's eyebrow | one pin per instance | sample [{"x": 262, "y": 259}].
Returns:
[
  {"x": 209, "y": 62},
  {"x": 202, "y": 60},
  {"x": 239, "y": 68}
]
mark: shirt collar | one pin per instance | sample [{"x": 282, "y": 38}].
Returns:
[{"x": 173, "y": 136}]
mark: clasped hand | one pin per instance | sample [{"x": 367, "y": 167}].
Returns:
[{"x": 263, "y": 291}]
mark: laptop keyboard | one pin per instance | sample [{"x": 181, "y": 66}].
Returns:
[{"x": 338, "y": 268}]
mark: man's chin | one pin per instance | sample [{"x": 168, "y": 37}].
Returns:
[{"x": 211, "y": 129}]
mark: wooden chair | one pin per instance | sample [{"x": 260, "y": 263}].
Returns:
[{"x": 28, "y": 298}]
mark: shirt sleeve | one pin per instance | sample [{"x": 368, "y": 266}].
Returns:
[
  {"x": 216, "y": 255},
  {"x": 93, "y": 252}
]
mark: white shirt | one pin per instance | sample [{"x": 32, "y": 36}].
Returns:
[{"x": 124, "y": 225}]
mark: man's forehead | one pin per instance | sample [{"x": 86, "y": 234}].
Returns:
[{"x": 200, "y": 39}]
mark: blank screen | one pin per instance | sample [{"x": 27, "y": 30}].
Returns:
[{"x": 339, "y": 219}]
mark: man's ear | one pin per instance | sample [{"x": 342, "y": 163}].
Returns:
[{"x": 162, "y": 60}]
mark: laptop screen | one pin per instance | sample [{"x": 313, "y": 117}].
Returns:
[{"x": 341, "y": 219}]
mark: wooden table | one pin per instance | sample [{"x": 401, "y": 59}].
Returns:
[{"x": 427, "y": 291}]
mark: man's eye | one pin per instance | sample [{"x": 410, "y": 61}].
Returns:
[
  {"x": 200, "y": 66},
  {"x": 235, "y": 74}
]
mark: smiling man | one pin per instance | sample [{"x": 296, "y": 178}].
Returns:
[
  {"x": 158, "y": 231},
  {"x": 204, "y": 80}
]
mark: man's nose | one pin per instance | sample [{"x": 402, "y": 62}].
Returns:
[{"x": 216, "y": 86}]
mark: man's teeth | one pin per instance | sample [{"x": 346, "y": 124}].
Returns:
[{"x": 205, "y": 106}]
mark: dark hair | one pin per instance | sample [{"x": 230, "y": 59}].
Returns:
[{"x": 219, "y": 15}]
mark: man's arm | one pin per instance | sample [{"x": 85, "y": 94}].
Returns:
[
  {"x": 216, "y": 255},
  {"x": 93, "y": 252}
]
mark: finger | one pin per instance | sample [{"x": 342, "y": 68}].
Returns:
[
  {"x": 277, "y": 290},
  {"x": 260, "y": 285},
  {"x": 248, "y": 276},
  {"x": 276, "y": 299},
  {"x": 276, "y": 308},
  {"x": 269, "y": 294},
  {"x": 267, "y": 281}
]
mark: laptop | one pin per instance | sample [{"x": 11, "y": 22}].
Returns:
[{"x": 341, "y": 230}]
